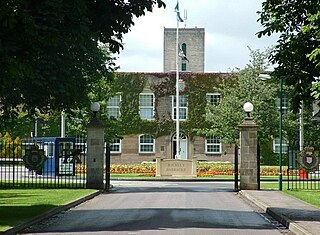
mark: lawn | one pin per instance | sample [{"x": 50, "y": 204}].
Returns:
[
  {"x": 20, "y": 205},
  {"x": 310, "y": 196}
]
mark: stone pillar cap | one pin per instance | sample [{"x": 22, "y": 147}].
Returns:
[
  {"x": 248, "y": 122},
  {"x": 96, "y": 122}
]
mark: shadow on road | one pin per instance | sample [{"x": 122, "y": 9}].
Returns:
[{"x": 153, "y": 219}]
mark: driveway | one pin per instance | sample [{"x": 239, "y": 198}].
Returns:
[{"x": 144, "y": 207}]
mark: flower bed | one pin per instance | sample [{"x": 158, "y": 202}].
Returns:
[
  {"x": 146, "y": 168},
  {"x": 204, "y": 169},
  {"x": 207, "y": 169}
]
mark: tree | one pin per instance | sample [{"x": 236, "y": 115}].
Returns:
[
  {"x": 49, "y": 49},
  {"x": 314, "y": 28},
  {"x": 7, "y": 146},
  {"x": 296, "y": 22},
  {"x": 225, "y": 118}
]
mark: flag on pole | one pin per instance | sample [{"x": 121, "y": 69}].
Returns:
[
  {"x": 181, "y": 54},
  {"x": 176, "y": 9}
]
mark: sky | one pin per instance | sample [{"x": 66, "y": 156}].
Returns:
[{"x": 230, "y": 28}]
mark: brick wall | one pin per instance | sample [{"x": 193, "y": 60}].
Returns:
[{"x": 163, "y": 148}]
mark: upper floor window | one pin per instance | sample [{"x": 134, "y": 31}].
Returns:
[
  {"x": 146, "y": 144},
  {"x": 115, "y": 145},
  {"x": 184, "y": 48},
  {"x": 213, "y": 98},
  {"x": 276, "y": 146},
  {"x": 213, "y": 145},
  {"x": 113, "y": 106},
  {"x": 183, "y": 107},
  {"x": 183, "y": 63},
  {"x": 184, "y": 66},
  {"x": 146, "y": 106}
]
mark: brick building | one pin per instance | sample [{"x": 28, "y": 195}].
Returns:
[{"x": 153, "y": 105}]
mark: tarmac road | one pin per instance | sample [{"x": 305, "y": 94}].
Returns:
[{"x": 162, "y": 208}]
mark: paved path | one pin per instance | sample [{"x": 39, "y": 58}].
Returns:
[
  {"x": 162, "y": 208},
  {"x": 300, "y": 217}
]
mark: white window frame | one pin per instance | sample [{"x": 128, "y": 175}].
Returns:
[
  {"x": 116, "y": 144},
  {"x": 276, "y": 145},
  {"x": 285, "y": 104},
  {"x": 147, "y": 144},
  {"x": 209, "y": 95},
  {"x": 147, "y": 107},
  {"x": 114, "y": 106},
  {"x": 214, "y": 145},
  {"x": 180, "y": 107}
]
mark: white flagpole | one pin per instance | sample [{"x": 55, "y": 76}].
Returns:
[
  {"x": 177, "y": 95},
  {"x": 63, "y": 124}
]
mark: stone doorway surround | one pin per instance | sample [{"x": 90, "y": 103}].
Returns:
[{"x": 183, "y": 146}]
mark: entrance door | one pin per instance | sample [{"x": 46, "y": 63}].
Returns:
[{"x": 183, "y": 147}]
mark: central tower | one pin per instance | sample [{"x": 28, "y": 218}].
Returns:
[{"x": 191, "y": 41}]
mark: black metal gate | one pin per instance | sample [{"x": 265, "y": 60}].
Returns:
[
  {"x": 303, "y": 168},
  {"x": 43, "y": 163}
]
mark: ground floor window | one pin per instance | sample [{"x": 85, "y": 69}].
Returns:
[
  {"x": 213, "y": 145},
  {"x": 115, "y": 145},
  {"x": 146, "y": 144},
  {"x": 276, "y": 146}
]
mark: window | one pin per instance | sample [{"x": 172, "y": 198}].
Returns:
[
  {"x": 276, "y": 146},
  {"x": 184, "y": 48},
  {"x": 184, "y": 64},
  {"x": 146, "y": 106},
  {"x": 213, "y": 98},
  {"x": 213, "y": 145},
  {"x": 113, "y": 106},
  {"x": 50, "y": 149},
  {"x": 183, "y": 107},
  {"x": 146, "y": 144},
  {"x": 115, "y": 145},
  {"x": 285, "y": 105}
]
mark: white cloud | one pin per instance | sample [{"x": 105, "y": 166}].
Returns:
[{"x": 230, "y": 27}]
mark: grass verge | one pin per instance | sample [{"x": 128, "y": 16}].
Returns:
[
  {"x": 20, "y": 205},
  {"x": 309, "y": 196}
]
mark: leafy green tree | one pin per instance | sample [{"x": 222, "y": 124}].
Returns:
[
  {"x": 18, "y": 147},
  {"x": 296, "y": 23},
  {"x": 7, "y": 146},
  {"x": 225, "y": 118},
  {"x": 49, "y": 51},
  {"x": 314, "y": 28},
  {"x": 22, "y": 125},
  {"x": 129, "y": 84}
]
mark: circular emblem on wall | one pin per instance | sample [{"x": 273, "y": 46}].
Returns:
[
  {"x": 34, "y": 158},
  {"x": 308, "y": 159}
]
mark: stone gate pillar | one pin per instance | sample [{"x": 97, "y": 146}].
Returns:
[
  {"x": 248, "y": 155},
  {"x": 95, "y": 154}
]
